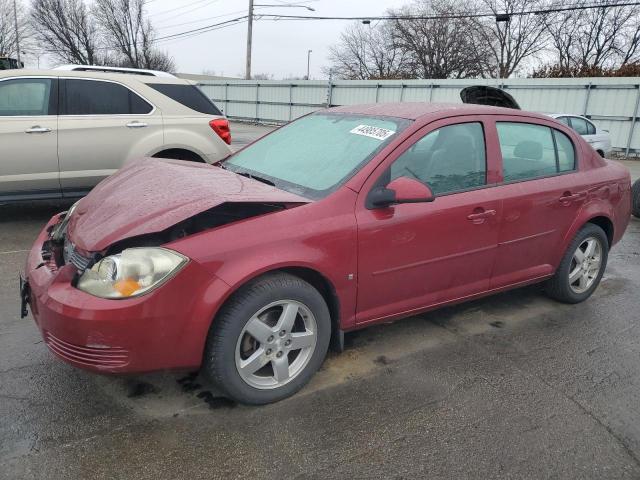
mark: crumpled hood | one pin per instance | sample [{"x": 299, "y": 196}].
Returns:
[{"x": 151, "y": 195}]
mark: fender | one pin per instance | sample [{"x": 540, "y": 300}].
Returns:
[
  {"x": 594, "y": 208},
  {"x": 325, "y": 243}
]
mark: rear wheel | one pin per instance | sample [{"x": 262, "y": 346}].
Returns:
[
  {"x": 635, "y": 195},
  {"x": 581, "y": 267},
  {"x": 268, "y": 340}
]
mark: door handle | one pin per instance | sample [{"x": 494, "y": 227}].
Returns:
[
  {"x": 37, "y": 129},
  {"x": 569, "y": 197},
  {"x": 136, "y": 124},
  {"x": 479, "y": 217}
]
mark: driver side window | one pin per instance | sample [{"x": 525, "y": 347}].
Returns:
[{"x": 449, "y": 159}]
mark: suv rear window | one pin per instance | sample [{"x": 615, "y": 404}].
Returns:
[{"x": 188, "y": 95}]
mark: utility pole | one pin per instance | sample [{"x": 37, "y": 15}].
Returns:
[
  {"x": 308, "y": 61},
  {"x": 15, "y": 19},
  {"x": 247, "y": 73}
]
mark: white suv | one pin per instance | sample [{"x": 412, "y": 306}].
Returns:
[{"x": 61, "y": 132}]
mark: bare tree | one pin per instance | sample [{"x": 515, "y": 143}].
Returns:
[
  {"x": 130, "y": 34},
  {"x": 66, "y": 29},
  {"x": 8, "y": 28},
  {"x": 514, "y": 41},
  {"x": 366, "y": 52},
  {"x": 595, "y": 38},
  {"x": 443, "y": 47}
]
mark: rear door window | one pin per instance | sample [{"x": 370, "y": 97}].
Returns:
[
  {"x": 532, "y": 151},
  {"x": 27, "y": 97},
  {"x": 93, "y": 97},
  {"x": 188, "y": 95}
]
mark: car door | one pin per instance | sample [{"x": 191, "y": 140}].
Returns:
[
  {"x": 415, "y": 255},
  {"x": 102, "y": 124},
  {"x": 28, "y": 137},
  {"x": 542, "y": 191}
]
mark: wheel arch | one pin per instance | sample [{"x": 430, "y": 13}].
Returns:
[
  {"x": 606, "y": 224},
  {"x": 315, "y": 278},
  {"x": 178, "y": 153}
]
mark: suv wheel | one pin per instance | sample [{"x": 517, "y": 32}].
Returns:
[{"x": 268, "y": 340}]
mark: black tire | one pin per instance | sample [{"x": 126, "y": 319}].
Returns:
[
  {"x": 635, "y": 199},
  {"x": 219, "y": 362},
  {"x": 558, "y": 287}
]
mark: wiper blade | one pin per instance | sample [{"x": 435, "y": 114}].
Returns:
[{"x": 255, "y": 177}]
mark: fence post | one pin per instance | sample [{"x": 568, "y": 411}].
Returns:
[
  {"x": 290, "y": 100},
  {"x": 586, "y": 100},
  {"x": 430, "y": 92},
  {"x": 633, "y": 121},
  {"x": 226, "y": 99},
  {"x": 329, "y": 89},
  {"x": 402, "y": 92},
  {"x": 377, "y": 91},
  {"x": 257, "y": 100}
]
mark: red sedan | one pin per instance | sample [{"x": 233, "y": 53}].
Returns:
[{"x": 345, "y": 218}]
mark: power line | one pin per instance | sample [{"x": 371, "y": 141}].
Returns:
[{"x": 271, "y": 16}]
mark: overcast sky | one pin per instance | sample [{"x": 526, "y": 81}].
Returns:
[{"x": 279, "y": 47}]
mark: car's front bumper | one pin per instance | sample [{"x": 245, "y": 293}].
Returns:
[{"x": 164, "y": 329}]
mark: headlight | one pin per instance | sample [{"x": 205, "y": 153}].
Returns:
[
  {"x": 131, "y": 273},
  {"x": 61, "y": 228}
]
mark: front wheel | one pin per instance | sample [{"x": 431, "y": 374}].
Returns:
[
  {"x": 582, "y": 266},
  {"x": 268, "y": 340}
]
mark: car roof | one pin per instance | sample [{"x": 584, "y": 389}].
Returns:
[
  {"x": 418, "y": 110},
  {"x": 132, "y": 71},
  {"x": 116, "y": 77}
]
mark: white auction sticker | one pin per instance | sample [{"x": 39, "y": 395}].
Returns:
[{"x": 373, "y": 132}]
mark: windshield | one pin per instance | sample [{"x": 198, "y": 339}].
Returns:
[{"x": 313, "y": 156}]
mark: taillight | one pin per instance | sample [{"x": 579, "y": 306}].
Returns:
[{"x": 221, "y": 127}]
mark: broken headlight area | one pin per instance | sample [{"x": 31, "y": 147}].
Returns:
[
  {"x": 131, "y": 273},
  {"x": 138, "y": 265}
]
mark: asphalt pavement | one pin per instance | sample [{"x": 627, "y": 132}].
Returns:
[{"x": 511, "y": 386}]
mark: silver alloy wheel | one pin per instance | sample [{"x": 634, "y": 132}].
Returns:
[
  {"x": 585, "y": 265},
  {"x": 276, "y": 344}
]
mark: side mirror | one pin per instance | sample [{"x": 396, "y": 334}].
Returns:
[{"x": 401, "y": 190}]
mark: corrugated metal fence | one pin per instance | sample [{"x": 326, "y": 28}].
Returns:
[{"x": 612, "y": 103}]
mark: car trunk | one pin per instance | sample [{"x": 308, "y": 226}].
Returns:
[{"x": 485, "y": 95}]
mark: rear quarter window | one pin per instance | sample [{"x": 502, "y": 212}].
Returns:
[{"x": 188, "y": 95}]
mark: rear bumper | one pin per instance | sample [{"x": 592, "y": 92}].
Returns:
[{"x": 165, "y": 329}]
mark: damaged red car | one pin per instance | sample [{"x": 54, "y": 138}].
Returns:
[{"x": 351, "y": 216}]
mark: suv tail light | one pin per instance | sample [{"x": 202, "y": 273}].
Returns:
[{"x": 221, "y": 127}]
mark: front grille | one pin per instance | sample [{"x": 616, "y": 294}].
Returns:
[
  {"x": 75, "y": 258},
  {"x": 79, "y": 261},
  {"x": 107, "y": 357}
]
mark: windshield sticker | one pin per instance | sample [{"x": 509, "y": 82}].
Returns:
[{"x": 373, "y": 132}]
